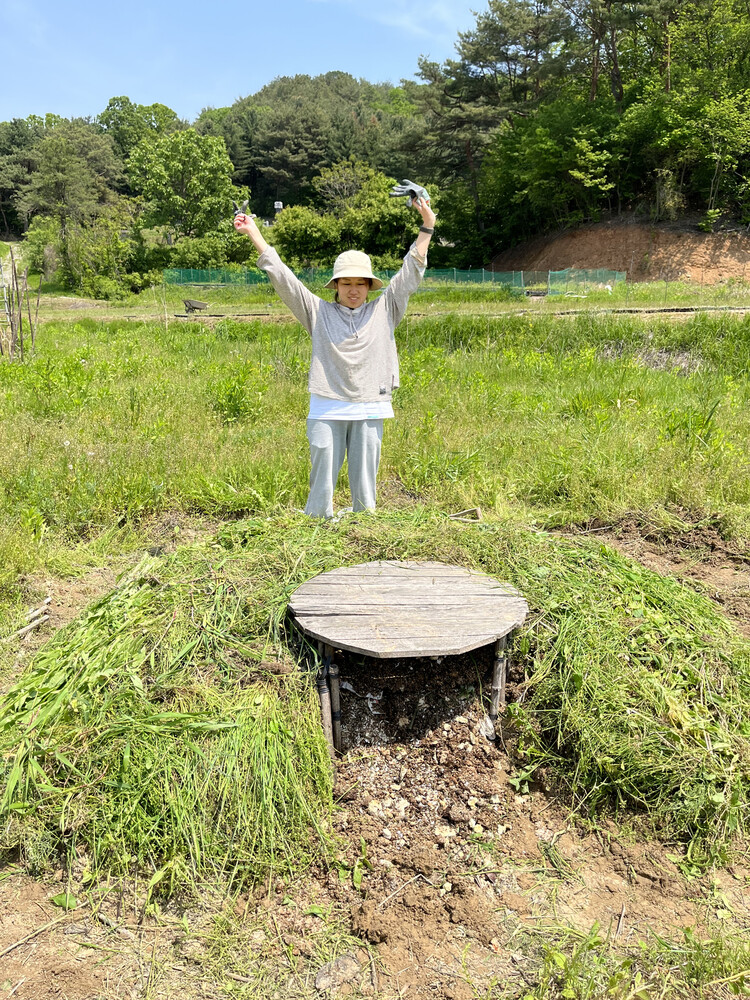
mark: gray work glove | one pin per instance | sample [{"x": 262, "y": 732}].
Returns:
[{"x": 410, "y": 191}]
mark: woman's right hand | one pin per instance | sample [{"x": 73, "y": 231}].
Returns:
[{"x": 246, "y": 224}]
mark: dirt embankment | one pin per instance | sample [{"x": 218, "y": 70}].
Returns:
[{"x": 648, "y": 252}]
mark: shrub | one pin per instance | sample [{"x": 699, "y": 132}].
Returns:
[
  {"x": 239, "y": 394},
  {"x": 99, "y": 286},
  {"x": 305, "y": 238},
  {"x": 40, "y": 245}
]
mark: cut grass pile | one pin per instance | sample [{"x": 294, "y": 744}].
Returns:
[
  {"x": 149, "y": 731},
  {"x": 145, "y": 731},
  {"x": 644, "y": 688}
]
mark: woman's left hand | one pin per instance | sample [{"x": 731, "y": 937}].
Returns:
[{"x": 422, "y": 205}]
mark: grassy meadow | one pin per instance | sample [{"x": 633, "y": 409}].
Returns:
[
  {"x": 559, "y": 420},
  {"x": 164, "y": 730}
]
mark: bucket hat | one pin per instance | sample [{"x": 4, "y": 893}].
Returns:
[{"x": 353, "y": 264}]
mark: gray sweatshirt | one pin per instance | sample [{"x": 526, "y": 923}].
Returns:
[{"x": 353, "y": 350}]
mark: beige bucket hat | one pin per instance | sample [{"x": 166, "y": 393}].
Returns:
[{"x": 353, "y": 264}]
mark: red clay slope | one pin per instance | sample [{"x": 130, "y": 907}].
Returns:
[{"x": 647, "y": 252}]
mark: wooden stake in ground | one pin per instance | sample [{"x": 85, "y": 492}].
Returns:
[
  {"x": 16, "y": 299},
  {"x": 18, "y": 304}
]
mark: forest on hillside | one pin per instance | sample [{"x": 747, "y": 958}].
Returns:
[{"x": 550, "y": 115}]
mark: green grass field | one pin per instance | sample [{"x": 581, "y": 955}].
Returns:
[
  {"x": 561, "y": 420},
  {"x": 136, "y": 732}
]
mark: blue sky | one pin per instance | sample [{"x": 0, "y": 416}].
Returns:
[{"x": 70, "y": 58}]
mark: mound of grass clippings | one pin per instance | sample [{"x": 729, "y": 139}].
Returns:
[
  {"x": 637, "y": 689},
  {"x": 147, "y": 731},
  {"x": 642, "y": 687}
]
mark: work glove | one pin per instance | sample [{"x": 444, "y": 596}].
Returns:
[{"x": 410, "y": 191}]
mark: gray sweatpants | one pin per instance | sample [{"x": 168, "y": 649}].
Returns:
[{"x": 330, "y": 441}]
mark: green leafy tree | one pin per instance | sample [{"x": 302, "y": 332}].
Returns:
[
  {"x": 41, "y": 245},
  {"x": 129, "y": 124},
  {"x": 338, "y": 185},
  {"x": 306, "y": 239},
  {"x": 710, "y": 45},
  {"x": 382, "y": 226},
  {"x": 92, "y": 255},
  {"x": 99, "y": 252},
  {"x": 75, "y": 170},
  {"x": 18, "y": 141},
  {"x": 291, "y": 146},
  {"x": 186, "y": 180}
]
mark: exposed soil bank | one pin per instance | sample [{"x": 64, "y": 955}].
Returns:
[{"x": 648, "y": 252}]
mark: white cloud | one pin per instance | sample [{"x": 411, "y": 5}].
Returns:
[{"x": 435, "y": 20}]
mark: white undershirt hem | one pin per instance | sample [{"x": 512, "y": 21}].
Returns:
[{"x": 322, "y": 408}]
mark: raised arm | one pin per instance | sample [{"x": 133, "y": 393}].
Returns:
[
  {"x": 422, "y": 205},
  {"x": 298, "y": 299},
  {"x": 408, "y": 279}
]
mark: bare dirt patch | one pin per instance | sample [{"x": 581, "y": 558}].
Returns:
[
  {"x": 648, "y": 252},
  {"x": 59, "y": 955},
  {"x": 657, "y": 358}
]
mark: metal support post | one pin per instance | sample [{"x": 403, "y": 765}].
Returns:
[
  {"x": 498, "y": 678},
  {"x": 325, "y": 704},
  {"x": 333, "y": 683}
]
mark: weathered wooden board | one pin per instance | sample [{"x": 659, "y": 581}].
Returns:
[{"x": 389, "y": 609}]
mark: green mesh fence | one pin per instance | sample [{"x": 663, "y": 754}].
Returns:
[
  {"x": 554, "y": 282},
  {"x": 575, "y": 280},
  {"x": 212, "y": 276}
]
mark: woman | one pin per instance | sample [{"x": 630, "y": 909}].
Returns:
[{"x": 354, "y": 367}]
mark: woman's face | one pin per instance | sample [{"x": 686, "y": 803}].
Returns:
[{"x": 352, "y": 291}]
